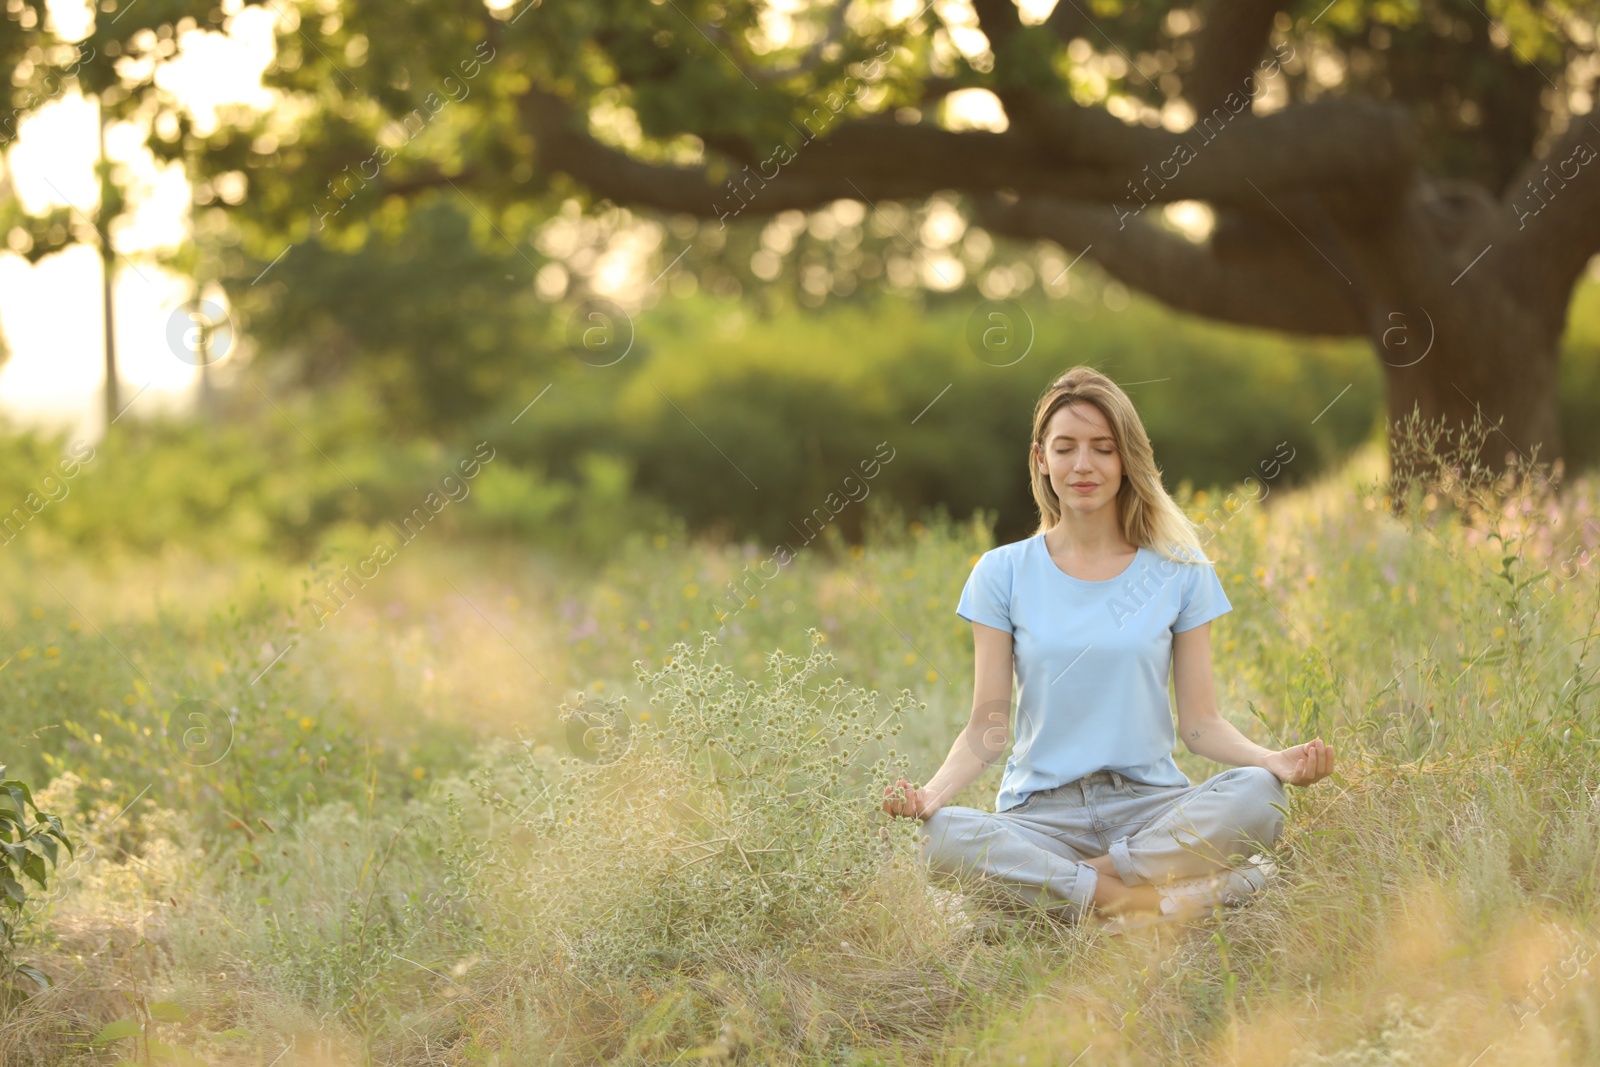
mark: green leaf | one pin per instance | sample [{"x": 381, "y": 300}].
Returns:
[
  {"x": 46, "y": 846},
  {"x": 20, "y": 797},
  {"x": 33, "y": 867},
  {"x": 38, "y": 976},
  {"x": 13, "y": 889},
  {"x": 117, "y": 1031},
  {"x": 168, "y": 1012}
]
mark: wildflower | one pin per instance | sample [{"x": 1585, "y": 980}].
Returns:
[
  {"x": 52, "y": 651},
  {"x": 305, "y": 722},
  {"x": 690, "y": 591},
  {"x": 74, "y": 626},
  {"x": 418, "y": 772}
]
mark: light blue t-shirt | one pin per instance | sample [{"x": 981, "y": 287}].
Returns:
[{"x": 1092, "y": 661}]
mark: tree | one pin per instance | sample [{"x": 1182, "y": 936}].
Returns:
[
  {"x": 1415, "y": 172},
  {"x": 38, "y": 77}
]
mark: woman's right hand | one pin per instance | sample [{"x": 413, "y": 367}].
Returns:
[{"x": 918, "y": 803}]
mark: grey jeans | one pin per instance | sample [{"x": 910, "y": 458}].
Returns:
[{"x": 1034, "y": 854}]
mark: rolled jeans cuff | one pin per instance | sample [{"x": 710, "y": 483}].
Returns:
[
  {"x": 1124, "y": 863},
  {"x": 1083, "y": 888}
]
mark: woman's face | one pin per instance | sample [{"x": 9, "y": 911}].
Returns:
[{"x": 1081, "y": 458}]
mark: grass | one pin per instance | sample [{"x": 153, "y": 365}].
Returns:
[{"x": 352, "y": 844}]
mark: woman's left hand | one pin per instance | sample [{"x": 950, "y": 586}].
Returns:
[{"x": 1302, "y": 764}]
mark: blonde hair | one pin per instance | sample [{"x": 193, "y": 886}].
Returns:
[{"x": 1149, "y": 517}]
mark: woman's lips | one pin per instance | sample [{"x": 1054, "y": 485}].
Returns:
[{"x": 1085, "y": 487}]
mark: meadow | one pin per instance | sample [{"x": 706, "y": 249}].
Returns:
[{"x": 500, "y": 809}]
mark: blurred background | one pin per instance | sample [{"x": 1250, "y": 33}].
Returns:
[
  {"x": 293, "y": 347},
  {"x": 377, "y": 380}
]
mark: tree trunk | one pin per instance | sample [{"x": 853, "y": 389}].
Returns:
[{"x": 1459, "y": 334}]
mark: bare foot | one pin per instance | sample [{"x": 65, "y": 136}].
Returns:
[{"x": 1113, "y": 896}]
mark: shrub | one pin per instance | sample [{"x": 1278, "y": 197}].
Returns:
[
  {"x": 24, "y": 848},
  {"x": 747, "y": 818}
]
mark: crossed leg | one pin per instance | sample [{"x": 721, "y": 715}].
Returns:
[{"x": 1113, "y": 896}]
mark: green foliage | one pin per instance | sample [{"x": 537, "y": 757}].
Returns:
[
  {"x": 153, "y": 1036},
  {"x": 311, "y": 475},
  {"x": 26, "y": 846},
  {"x": 718, "y": 400},
  {"x": 428, "y": 320}
]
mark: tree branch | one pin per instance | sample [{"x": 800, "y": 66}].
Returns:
[
  {"x": 1067, "y": 20},
  {"x": 1233, "y": 34},
  {"x": 998, "y": 20},
  {"x": 1271, "y": 285},
  {"x": 1356, "y": 147},
  {"x": 1024, "y": 78}
]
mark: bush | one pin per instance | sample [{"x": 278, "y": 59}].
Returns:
[
  {"x": 25, "y": 847},
  {"x": 748, "y": 818}
]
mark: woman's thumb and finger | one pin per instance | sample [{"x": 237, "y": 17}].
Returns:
[
  {"x": 898, "y": 797},
  {"x": 912, "y": 803}
]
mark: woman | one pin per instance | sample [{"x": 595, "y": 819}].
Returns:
[{"x": 1091, "y": 613}]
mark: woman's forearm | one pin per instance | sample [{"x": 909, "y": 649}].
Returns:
[
  {"x": 961, "y": 767},
  {"x": 1218, "y": 739}
]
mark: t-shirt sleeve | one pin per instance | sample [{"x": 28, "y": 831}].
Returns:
[
  {"x": 987, "y": 595},
  {"x": 1203, "y": 598}
]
